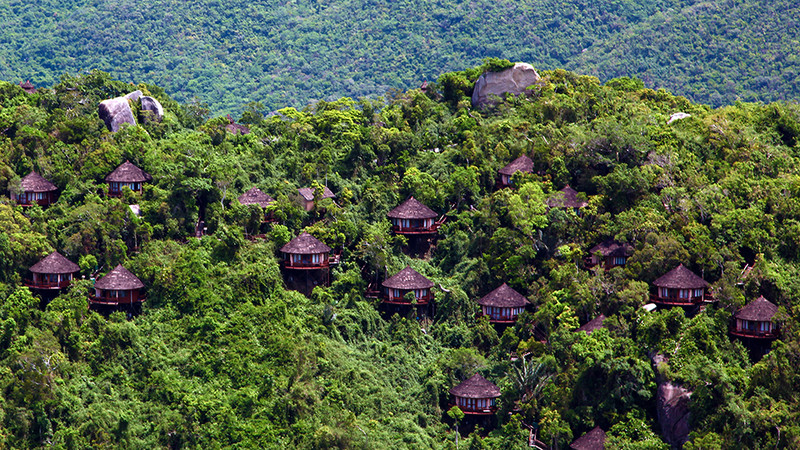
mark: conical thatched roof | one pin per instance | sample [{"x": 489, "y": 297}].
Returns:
[
  {"x": 255, "y": 197},
  {"x": 408, "y": 278},
  {"x": 476, "y": 387},
  {"x": 521, "y": 164},
  {"x": 504, "y": 297},
  {"x": 759, "y": 310},
  {"x": 593, "y": 440},
  {"x": 55, "y": 263},
  {"x": 127, "y": 172},
  {"x": 119, "y": 279},
  {"x": 566, "y": 198},
  {"x": 308, "y": 193},
  {"x": 680, "y": 278},
  {"x": 305, "y": 244},
  {"x": 33, "y": 182},
  {"x": 593, "y": 325},
  {"x": 610, "y": 247},
  {"x": 412, "y": 209}
]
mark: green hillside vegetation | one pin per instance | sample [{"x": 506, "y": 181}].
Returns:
[
  {"x": 223, "y": 355},
  {"x": 714, "y": 52},
  {"x": 228, "y": 54}
]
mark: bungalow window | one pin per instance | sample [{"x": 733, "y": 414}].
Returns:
[
  {"x": 765, "y": 327},
  {"x": 698, "y": 293},
  {"x": 315, "y": 258},
  {"x": 619, "y": 260},
  {"x": 684, "y": 293},
  {"x": 663, "y": 292}
]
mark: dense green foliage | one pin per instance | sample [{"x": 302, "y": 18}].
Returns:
[
  {"x": 223, "y": 355},
  {"x": 231, "y": 53}
]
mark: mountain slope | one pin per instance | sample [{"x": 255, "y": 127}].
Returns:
[{"x": 712, "y": 52}]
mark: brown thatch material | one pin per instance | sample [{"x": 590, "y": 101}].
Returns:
[
  {"x": 234, "y": 127},
  {"x": 759, "y": 310},
  {"x": 33, "y": 182},
  {"x": 55, "y": 263},
  {"x": 255, "y": 197},
  {"x": 305, "y": 244},
  {"x": 611, "y": 247},
  {"x": 408, "y": 278},
  {"x": 593, "y": 325},
  {"x": 566, "y": 198},
  {"x": 521, "y": 164},
  {"x": 308, "y": 193},
  {"x": 127, "y": 172},
  {"x": 412, "y": 209},
  {"x": 593, "y": 440},
  {"x": 119, "y": 279},
  {"x": 680, "y": 278},
  {"x": 28, "y": 87},
  {"x": 476, "y": 387},
  {"x": 504, "y": 297}
]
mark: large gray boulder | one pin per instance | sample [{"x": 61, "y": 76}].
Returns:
[
  {"x": 133, "y": 96},
  {"x": 514, "y": 80},
  {"x": 151, "y": 109},
  {"x": 672, "y": 408},
  {"x": 115, "y": 112}
]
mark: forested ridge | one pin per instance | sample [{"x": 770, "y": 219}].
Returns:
[
  {"x": 231, "y": 53},
  {"x": 223, "y": 355}
]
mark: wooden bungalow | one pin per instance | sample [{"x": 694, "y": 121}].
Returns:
[
  {"x": 593, "y": 325},
  {"x": 126, "y": 174},
  {"x": 593, "y": 440},
  {"x": 235, "y": 128},
  {"x": 503, "y": 305},
  {"x": 27, "y": 86},
  {"x": 305, "y": 252},
  {"x": 521, "y": 164},
  {"x": 53, "y": 272},
  {"x": 412, "y": 217},
  {"x": 609, "y": 254},
  {"x": 476, "y": 396},
  {"x": 255, "y": 197},
  {"x": 306, "y": 263},
  {"x": 118, "y": 288},
  {"x": 680, "y": 287},
  {"x": 35, "y": 189},
  {"x": 307, "y": 196},
  {"x": 566, "y": 198},
  {"x": 755, "y": 320},
  {"x": 408, "y": 280}
]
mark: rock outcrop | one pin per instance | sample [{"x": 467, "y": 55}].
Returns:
[
  {"x": 152, "y": 111},
  {"x": 677, "y": 116},
  {"x": 672, "y": 408},
  {"x": 115, "y": 112},
  {"x": 514, "y": 80}
]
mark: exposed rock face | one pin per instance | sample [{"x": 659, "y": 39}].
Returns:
[
  {"x": 677, "y": 116},
  {"x": 673, "y": 413},
  {"x": 134, "y": 95},
  {"x": 151, "y": 109},
  {"x": 672, "y": 408},
  {"x": 513, "y": 80},
  {"x": 115, "y": 112}
]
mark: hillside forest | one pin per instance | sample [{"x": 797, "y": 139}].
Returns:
[
  {"x": 222, "y": 354},
  {"x": 276, "y": 54}
]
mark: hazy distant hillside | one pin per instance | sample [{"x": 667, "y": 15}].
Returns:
[
  {"x": 714, "y": 52},
  {"x": 234, "y": 52}
]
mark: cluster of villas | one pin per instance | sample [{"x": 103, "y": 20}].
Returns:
[{"x": 306, "y": 263}]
